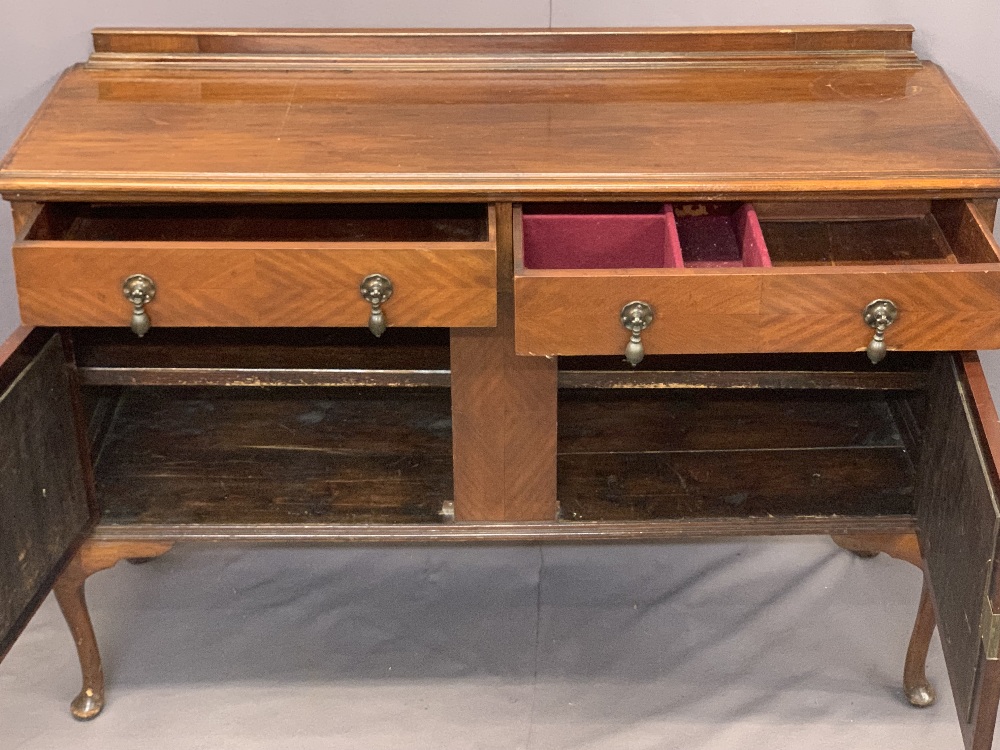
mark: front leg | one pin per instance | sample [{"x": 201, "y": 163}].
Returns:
[
  {"x": 919, "y": 690},
  {"x": 92, "y": 557}
]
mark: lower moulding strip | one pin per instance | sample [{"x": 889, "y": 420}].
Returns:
[{"x": 527, "y": 532}]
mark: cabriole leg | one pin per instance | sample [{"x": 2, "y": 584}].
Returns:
[
  {"x": 92, "y": 557},
  {"x": 919, "y": 690}
]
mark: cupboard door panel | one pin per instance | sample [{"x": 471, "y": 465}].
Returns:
[
  {"x": 959, "y": 523},
  {"x": 44, "y": 504}
]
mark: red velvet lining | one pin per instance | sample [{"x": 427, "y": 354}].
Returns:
[
  {"x": 601, "y": 240},
  {"x": 642, "y": 236},
  {"x": 722, "y": 236}
]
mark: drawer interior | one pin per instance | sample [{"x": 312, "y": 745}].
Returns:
[
  {"x": 720, "y": 235},
  {"x": 901, "y": 232},
  {"x": 600, "y": 235},
  {"x": 246, "y": 222},
  {"x": 641, "y": 235},
  {"x": 733, "y": 235}
]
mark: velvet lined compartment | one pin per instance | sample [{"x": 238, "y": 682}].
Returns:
[
  {"x": 622, "y": 235},
  {"x": 636, "y": 235},
  {"x": 721, "y": 235}
]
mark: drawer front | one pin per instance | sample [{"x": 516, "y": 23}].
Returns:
[
  {"x": 795, "y": 308},
  {"x": 68, "y": 282},
  {"x": 581, "y": 315},
  {"x": 63, "y": 286}
]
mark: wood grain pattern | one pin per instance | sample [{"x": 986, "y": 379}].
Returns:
[
  {"x": 981, "y": 725},
  {"x": 988, "y": 210},
  {"x": 959, "y": 522},
  {"x": 257, "y": 348},
  {"x": 919, "y": 690},
  {"x": 555, "y": 134},
  {"x": 93, "y": 557},
  {"x": 255, "y": 357},
  {"x": 642, "y": 456},
  {"x": 841, "y": 116},
  {"x": 511, "y": 532},
  {"x": 123, "y": 41},
  {"x": 272, "y": 456},
  {"x": 17, "y": 351},
  {"x": 782, "y": 309},
  {"x": 24, "y": 214},
  {"x": 43, "y": 495},
  {"x": 254, "y": 284},
  {"x": 504, "y": 414}
]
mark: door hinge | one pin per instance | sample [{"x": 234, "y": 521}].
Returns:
[{"x": 989, "y": 630}]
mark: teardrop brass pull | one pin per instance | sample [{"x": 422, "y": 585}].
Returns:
[
  {"x": 139, "y": 290},
  {"x": 879, "y": 314},
  {"x": 375, "y": 290},
  {"x": 636, "y": 317}
]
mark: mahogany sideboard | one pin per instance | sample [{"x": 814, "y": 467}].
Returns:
[{"x": 505, "y": 286}]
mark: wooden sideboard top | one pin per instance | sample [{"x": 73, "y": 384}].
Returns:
[{"x": 501, "y": 115}]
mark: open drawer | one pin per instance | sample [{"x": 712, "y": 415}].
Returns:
[
  {"x": 259, "y": 265},
  {"x": 807, "y": 289}
]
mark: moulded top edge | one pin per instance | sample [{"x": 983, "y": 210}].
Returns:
[
  {"x": 395, "y": 188},
  {"x": 720, "y": 40}
]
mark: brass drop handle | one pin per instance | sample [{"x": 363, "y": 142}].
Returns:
[
  {"x": 636, "y": 317},
  {"x": 879, "y": 314},
  {"x": 139, "y": 290},
  {"x": 375, "y": 290}
]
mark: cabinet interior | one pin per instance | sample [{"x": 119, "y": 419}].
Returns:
[
  {"x": 332, "y": 426},
  {"x": 760, "y": 437},
  {"x": 195, "y": 455},
  {"x": 743, "y": 439},
  {"x": 641, "y": 455},
  {"x": 263, "y": 356}
]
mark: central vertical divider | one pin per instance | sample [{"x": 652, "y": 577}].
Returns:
[{"x": 503, "y": 412}]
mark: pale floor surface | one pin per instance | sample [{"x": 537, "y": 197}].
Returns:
[{"x": 771, "y": 644}]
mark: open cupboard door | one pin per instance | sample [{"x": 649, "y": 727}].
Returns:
[
  {"x": 45, "y": 506},
  {"x": 959, "y": 523}
]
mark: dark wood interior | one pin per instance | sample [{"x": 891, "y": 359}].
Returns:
[
  {"x": 843, "y": 233},
  {"x": 419, "y": 348},
  {"x": 275, "y": 456},
  {"x": 420, "y": 357},
  {"x": 658, "y": 372},
  {"x": 837, "y": 243},
  {"x": 406, "y": 357},
  {"x": 791, "y": 437},
  {"x": 693, "y": 454},
  {"x": 289, "y": 222}
]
